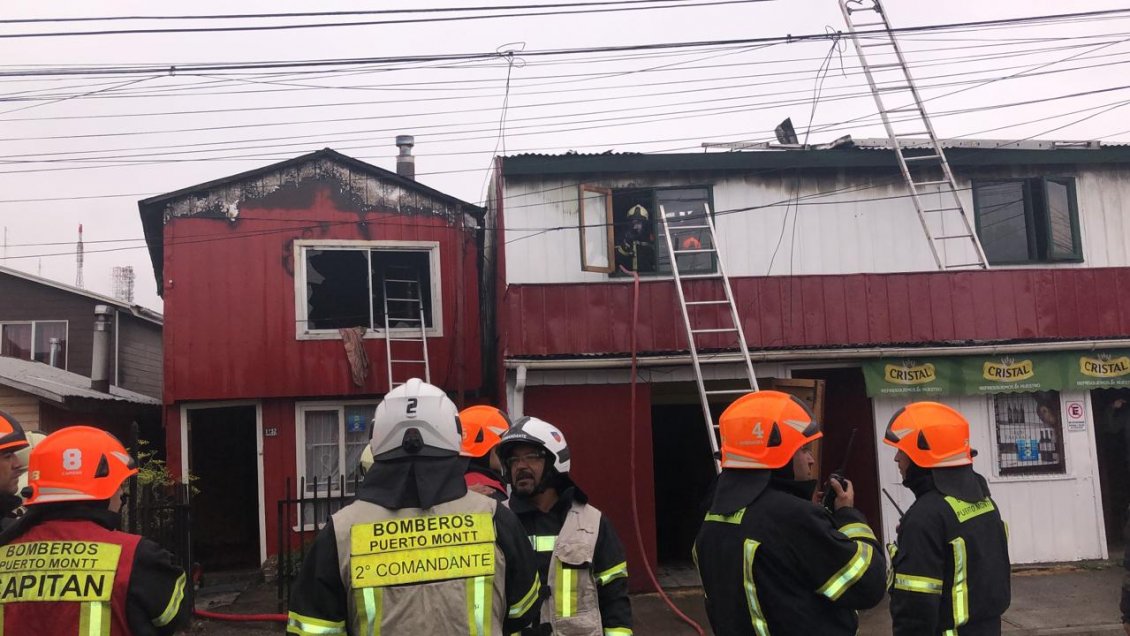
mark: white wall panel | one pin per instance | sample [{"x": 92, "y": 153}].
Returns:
[
  {"x": 843, "y": 224},
  {"x": 1052, "y": 518}
]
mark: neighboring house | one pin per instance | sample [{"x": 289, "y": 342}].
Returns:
[
  {"x": 842, "y": 303},
  {"x": 260, "y": 273},
  {"x": 39, "y": 314},
  {"x": 46, "y": 399}
]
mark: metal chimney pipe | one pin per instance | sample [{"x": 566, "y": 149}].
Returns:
[
  {"x": 56, "y": 349},
  {"x": 100, "y": 365},
  {"x": 405, "y": 162}
]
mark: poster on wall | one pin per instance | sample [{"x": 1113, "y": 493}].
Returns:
[{"x": 1022, "y": 373}]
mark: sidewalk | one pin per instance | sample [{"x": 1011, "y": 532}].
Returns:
[{"x": 1079, "y": 599}]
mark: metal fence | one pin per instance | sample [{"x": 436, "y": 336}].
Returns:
[
  {"x": 300, "y": 517},
  {"x": 163, "y": 515}
]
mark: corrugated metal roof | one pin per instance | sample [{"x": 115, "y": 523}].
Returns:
[{"x": 58, "y": 385}]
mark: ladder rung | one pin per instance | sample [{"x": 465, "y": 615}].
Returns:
[
  {"x": 718, "y": 330},
  {"x": 915, "y": 135},
  {"x": 403, "y": 300},
  {"x": 869, "y": 24},
  {"x": 950, "y": 237},
  {"x": 880, "y": 67},
  {"x": 705, "y": 250},
  {"x": 676, "y": 228},
  {"x": 935, "y": 210},
  {"x": 867, "y": 46},
  {"x": 726, "y": 392},
  {"x": 923, "y": 158},
  {"x": 401, "y": 280},
  {"x": 977, "y": 264},
  {"x": 698, "y": 276},
  {"x": 924, "y": 184},
  {"x": 708, "y": 302},
  {"x": 891, "y": 89},
  {"x": 405, "y": 339},
  {"x": 408, "y": 361},
  {"x": 404, "y": 320}
]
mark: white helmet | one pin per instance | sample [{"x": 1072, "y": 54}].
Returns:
[
  {"x": 531, "y": 430},
  {"x": 416, "y": 419}
]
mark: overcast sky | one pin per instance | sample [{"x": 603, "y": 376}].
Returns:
[{"x": 84, "y": 149}]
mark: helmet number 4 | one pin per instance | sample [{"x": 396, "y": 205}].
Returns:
[
  {"x": 72, "y": 459},
  {"x": 757, "y": 432},
  {"x": 411, "y": 408}
]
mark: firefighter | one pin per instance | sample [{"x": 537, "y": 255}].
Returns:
[
  {"x": 483, "y": 427},
  {"x": 78, "y": 574},
  {"x": 772, "y": 561},
  {"x": 950, "y": 565},
  {"x": 1125, "y": 605},
  {"x": 636, "y": 249},
  {"x": 416, "y": 553},
  {"x": 12, "y": 467},
  {"x": 579, "y": 555}
]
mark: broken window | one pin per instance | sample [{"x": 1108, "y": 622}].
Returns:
[
  {"x": 353, "y": 287},
  {"x": 637, "y": 241}
]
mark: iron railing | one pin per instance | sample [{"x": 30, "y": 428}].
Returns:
[
  {"x": 300, "y": 517},
  {"x": 164, "y": 516}
]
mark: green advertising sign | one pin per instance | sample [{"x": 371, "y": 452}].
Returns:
[
  {"x": 1007, "y": 373},
  {"x": 912, "y": 376},
  {"x": 1012, "y": 373},
  {"x": 1098, "y": 369}
]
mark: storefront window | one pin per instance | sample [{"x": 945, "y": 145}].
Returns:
[{"x": 1029, "y": 433}]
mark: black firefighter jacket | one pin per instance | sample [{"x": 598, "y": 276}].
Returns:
[
  {"x": 787, "y": 567},
  {"x": 950, "y": 567}
]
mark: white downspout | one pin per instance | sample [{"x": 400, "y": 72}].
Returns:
[{"x": 517, "y": 407}]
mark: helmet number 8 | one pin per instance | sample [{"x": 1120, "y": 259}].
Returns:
[{"x": 72, "y": 459}]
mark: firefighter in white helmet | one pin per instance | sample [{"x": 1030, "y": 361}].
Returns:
[
  {"x": 580, "y": 558},
  {"x": 417, "y": 553}
]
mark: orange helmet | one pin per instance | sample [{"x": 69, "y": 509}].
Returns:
[
  {"x": 933, "y": 435},
  {"x": 12, "y": 437},
  {"x": 765, "y": 429},
  {"x": 77, "y": 463},
  {"x": 482, "y": 427}
]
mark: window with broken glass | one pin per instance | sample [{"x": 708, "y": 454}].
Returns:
[{"x": 353, "y": 287}]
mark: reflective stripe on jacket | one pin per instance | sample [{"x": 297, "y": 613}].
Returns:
[
  {"x": 412, "y": 571},
  {"x": 68, "y": 577}
]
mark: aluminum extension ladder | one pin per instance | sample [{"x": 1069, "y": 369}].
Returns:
[
  {"x": 401, "y": 287},
  {"x": 694, "y": 246},
  {"x": 946, "y": 224}
]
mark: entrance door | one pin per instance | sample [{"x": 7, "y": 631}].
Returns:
[
  {"x": 847, "y": 407},
  {"x": 224, "y": 460},
  {"x": 1111, "y": 408}
]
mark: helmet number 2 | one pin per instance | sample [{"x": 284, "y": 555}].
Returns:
[
  {"x": 411, "y": 408},
  {"x": 72, "y": 459}
]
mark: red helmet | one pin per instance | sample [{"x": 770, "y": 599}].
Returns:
[
  {"x": 12, "y": 437},
  {"x": 77, "y": 463}
]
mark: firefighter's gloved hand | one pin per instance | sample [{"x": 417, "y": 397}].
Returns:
[{"x": 845, "y": 493}]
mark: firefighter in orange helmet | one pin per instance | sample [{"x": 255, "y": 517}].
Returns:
[
  {"x": 12, "y": 440},
  {"x": 483, "y": 427},
  {"x": 772, "y": 561},
  {"x": 96, "y": 579},
  {"x": 950, "y": 565}
]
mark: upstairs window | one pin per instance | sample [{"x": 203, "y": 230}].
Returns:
[
  {"x": 32, "y": 341},
  {"x": 344, "y": 285},
  {"x": 636, "y": 241},
  {"x": 1028, "y": 220}
]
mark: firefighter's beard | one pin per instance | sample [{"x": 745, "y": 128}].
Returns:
[{"x": 526, "y": 482}]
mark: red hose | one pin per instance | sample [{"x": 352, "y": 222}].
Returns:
[
  {"x": 632, "y": 463},
  {"x": 241, "y": 618}
]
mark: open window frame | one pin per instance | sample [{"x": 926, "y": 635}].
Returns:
[
  {"x": 595, "y": 227},
  {"x": 1040, "y": 231}
]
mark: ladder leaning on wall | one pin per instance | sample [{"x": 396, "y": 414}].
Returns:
[
  {"x": 947, "y": 224},
  {"x": 404, "y": 310},
  {"x": 686, "y": 252}
]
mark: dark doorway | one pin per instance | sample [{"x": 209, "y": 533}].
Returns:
[
  {"x": 847, "y": 407},
  {"x": 225, "y": 509},
  {"x": 1111, "y": 409},
  {"x": 684, "y": 473}
]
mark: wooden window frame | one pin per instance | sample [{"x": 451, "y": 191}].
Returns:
[{"x": 610, "y": 248}]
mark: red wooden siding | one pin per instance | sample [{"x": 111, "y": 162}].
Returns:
[
  {"x": 599, "y": 439},
  {"x": 826, "y": 311},
  {"x": 230, "y": 315}
]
